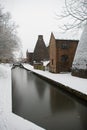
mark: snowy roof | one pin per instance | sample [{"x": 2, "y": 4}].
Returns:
[
  {"x": 66, "y": 36},
  {"x": 45, "y": 63}
]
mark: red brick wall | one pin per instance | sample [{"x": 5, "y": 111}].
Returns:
[
  {"x": 52, "y": 54},
  {"x": 58, "y": 54},
  {"x": 68, "y": 52}
]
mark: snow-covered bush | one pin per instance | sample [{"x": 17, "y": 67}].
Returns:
[{"x": 79, "y": 67}]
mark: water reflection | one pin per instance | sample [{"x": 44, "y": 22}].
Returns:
[
  {"x": 40, "y": 87},
  {"x": 60, "y": 102},
  {"x": 44, "y": 104},
  {"x": 82, "y": 114}
]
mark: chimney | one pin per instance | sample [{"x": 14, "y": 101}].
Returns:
[{"x": 40, "y": 37}]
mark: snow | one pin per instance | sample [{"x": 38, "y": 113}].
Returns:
[
  {"x": 79, "y": 84},
  {"x": 80, "y": 59},
  {"x": 8, "y": 120},
  {"x": 66, "y": 36},
  {"x": 45, "y": 63}
]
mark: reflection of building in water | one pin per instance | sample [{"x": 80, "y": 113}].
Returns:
[
  {"x": 29, "y": 76},
  {"x": 60, "y": 102},
  {"x": 16, "y": 94},
  {"x": 40, "y": 86}
]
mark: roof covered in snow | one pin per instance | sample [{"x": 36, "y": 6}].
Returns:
[
  {"x": 45, "y": 63},
  {"x": 65, "y": 36}
]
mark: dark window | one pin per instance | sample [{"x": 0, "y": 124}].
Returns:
[
  {"x": 64, "y": 46},
  {"x": 64, "y": 58}
]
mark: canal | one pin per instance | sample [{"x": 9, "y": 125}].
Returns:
[{"x": 45, "y": 104}]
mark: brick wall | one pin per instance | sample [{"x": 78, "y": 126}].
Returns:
[{"x": 61, "y": 54}]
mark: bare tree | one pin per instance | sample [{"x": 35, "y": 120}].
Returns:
[
  {"x": 75, "y": 11},
  {"x": 9, "y": 41}
]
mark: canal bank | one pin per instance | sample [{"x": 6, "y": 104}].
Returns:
[{"x": 74, "y": 85}]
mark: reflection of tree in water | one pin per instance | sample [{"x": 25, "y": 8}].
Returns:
[
  {"x": 40, "y": 86},
  {"x": 59, "y": 101},
  {"x": 19, "y": 74},
  {"x": 37, "y": 82},
  {"x": 29, "y": 76},
  {"x": 16, "y": 97},
  {"x": 19, "y": 80}
]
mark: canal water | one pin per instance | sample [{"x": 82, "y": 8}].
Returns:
[{"x": 45, "y": 104}]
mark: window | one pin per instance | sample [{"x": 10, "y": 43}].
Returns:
[
  {"x": 64, "y": 58},
  {"x": 64, "y": 46}
]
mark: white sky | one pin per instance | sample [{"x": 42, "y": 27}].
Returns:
[{"x": 34, "y": 17}]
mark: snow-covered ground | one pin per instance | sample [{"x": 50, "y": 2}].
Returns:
[
  {"x": 79, "y": 84},
  {"x": 8, "y": 120}
]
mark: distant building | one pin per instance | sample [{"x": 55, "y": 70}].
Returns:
[
  {"x": 29, "y": 57},
  {"x": 61, "y": 53},
  {"x": 40, "y": 52}
]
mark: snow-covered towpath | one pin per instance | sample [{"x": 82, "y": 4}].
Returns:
[{"x": 75, "y": 83}]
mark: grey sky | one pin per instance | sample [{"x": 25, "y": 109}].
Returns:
[{"x": 34, "y": 17}]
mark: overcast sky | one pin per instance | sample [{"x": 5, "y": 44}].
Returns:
[{"x": 34, "y": 17}]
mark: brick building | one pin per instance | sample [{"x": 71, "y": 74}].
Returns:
[
  {"x": 29, "y": 57},
  {"x": 61, "y": 54},
  {"x": 40, "y": 52}
]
